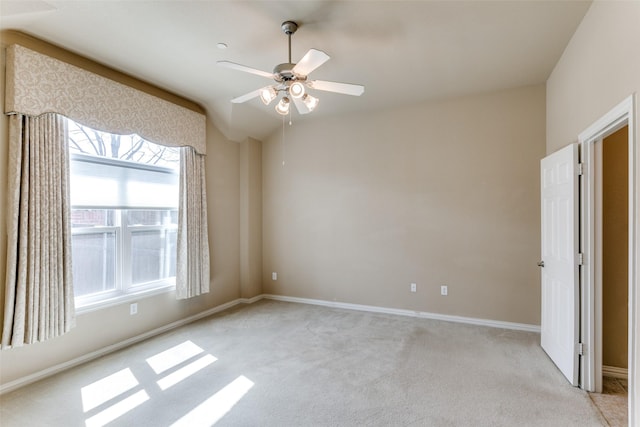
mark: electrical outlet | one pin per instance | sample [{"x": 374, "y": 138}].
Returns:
[
  {"x": 274, "y": 276},
  {"x": 444, "y": 290},
  {"x": 133, "y": 308},
  {"x": 413, "y": 287}
]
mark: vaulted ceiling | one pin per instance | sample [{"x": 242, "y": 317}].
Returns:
[{"x": 403, "y": 52}]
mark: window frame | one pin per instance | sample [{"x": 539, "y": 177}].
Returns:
[{"x": 124, "y": 289}]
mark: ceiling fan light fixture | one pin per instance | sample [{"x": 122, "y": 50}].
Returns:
[
  {"x": 282, "y": 107},
  {"x": 268, "y": 94},
  {"x": 310, "y": 101},
  {"x": 292, "y": 79},
  {"x": 296, "y": 90}
]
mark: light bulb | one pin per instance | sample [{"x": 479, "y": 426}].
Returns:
[
  {"x": 296, "y": 90},
  {"x": 310, "y": 101},
  {"x": 268, "y": 94},
  {"x": 283, "y": 106}
]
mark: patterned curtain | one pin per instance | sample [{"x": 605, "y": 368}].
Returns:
[
  {"x": 37, "y": 84},
  {"x": 39, "y": 300},
  {"x": 192, "y": 272}
]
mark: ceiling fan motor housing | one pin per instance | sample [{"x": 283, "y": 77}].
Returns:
[{"x": 284, "y": 73}]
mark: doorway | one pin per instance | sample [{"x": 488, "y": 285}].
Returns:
[
  {"x": 608, "y": 277},
  {"x": 611, "y": 271},
  {"x": 615, "y": 253}
]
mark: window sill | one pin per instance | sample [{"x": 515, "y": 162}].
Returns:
[{"x": 122, "y": 299}]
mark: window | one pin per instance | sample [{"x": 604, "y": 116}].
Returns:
[{"x": 124, "y": 215}]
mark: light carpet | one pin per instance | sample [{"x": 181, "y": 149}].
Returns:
[{"x": 285, "y": 364}]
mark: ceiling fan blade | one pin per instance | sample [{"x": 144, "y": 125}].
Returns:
[
  {"x": 344, "y": 88},
  {"x": 234, "y": 66},
  {"x": 301, "y": 106},
  {"x": 310, "y": 61},
  {"x": 246, "y": 97}
]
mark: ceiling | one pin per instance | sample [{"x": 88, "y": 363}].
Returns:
[{"x": 403, "y": 52}]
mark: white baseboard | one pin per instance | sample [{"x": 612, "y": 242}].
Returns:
[
  {"x": 612, "y": 371},
  {"x": 20, "y": 382},
  {"x": 410, "y": 313}
]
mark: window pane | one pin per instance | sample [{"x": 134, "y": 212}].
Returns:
[
  {"x": 153, "y": 255},
  {"x": 132, "y": 148},
  {"x": 94, "y": 263},
  {"x": 93, "y": 217},
  {"x": 153, "y": 217},
  {"x": 172, "y": 239}
]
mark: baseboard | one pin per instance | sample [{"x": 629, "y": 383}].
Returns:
[
  {"x": 410, "y": 313},
  {"x": 614, "y": 372},
  {"x": 20, "y": 382},
  {"x": 10, "y": 386}
]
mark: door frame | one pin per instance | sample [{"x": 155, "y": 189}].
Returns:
[{"x": 590, "y": 283}]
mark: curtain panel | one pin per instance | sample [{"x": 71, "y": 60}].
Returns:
[
  {"x": 192, "y": 270},
  {"x": 39, "y": 300}
]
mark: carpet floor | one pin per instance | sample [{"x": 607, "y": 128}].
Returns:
[
  {"x": 284, "y": 364},
  {"x": 613, "y": 401}
]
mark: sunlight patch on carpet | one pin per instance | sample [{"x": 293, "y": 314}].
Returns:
[
  {"x": 214, "y": 408},
  {"x": 119, "y": 409},
  {"x": 174, "y": 356},
  {"x": 185, "y": 372},
  {"x": 103, "y": 390}
]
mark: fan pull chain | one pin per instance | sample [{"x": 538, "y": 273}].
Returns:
[{"x": 283, "y": 152}]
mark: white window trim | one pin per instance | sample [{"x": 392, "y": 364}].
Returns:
[{"x": 169, "y": 285}]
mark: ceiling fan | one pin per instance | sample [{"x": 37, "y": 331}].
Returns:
[{"x": 292, "y": 80}]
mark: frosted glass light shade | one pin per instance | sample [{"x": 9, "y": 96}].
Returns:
[
  {"x": 268, "y": 94},
  {"x": 310, "y": 101},
  {"x": 283, "y": 106},
  {"x": 296, "y": 90}
]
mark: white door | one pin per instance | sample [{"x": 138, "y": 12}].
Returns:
[{"x": 559, "y": 266}]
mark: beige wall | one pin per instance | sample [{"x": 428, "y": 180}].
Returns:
[
  {"x": 599, "y": 68},
  {"x": 615, "y": 253},
  {"x": 109, "y": 326},
  {"x": 438, "y": 193},
  {"x": 223, "y": 213},
  {"x": 250, "y": 218}
]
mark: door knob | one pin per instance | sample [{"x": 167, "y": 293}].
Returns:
[{"x": 541, "y": 264}]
